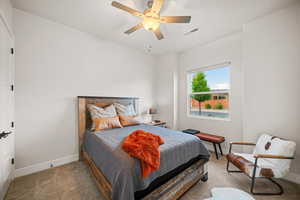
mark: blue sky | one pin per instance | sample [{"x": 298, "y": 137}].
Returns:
[{"x": 218, "y": 78}]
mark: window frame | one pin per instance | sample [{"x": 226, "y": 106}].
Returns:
[{"x": 188, "y": 93}]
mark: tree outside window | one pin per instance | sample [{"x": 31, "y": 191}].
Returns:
[{"x": 199, "y": 84}]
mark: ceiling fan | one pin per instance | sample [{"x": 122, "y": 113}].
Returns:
[{"x": 151, "y": 17}]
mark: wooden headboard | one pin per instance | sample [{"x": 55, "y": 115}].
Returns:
[{"x": 84, "y": 119}]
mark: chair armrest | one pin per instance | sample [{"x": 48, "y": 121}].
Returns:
[
  {"x": 272, "y": 156},
  {"x": 240, "y": 143},
  {"x": 243, "y": 143}
]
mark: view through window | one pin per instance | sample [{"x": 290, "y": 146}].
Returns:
[{"x": 209, "y": 93}]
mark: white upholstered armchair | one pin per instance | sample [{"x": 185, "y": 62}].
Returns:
[{"x": 270, "y": 159}]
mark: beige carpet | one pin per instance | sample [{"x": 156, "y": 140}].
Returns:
[{"x": 74, "y": 182}]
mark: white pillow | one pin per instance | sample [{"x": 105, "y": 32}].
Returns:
[
  {"x": 261, "y": 143},
  {"x": 282, "y": 148},
  {"x": 277, "y": 147},
  {"x": 98, "y": 112},
  {"x": 123, "y": 110}
]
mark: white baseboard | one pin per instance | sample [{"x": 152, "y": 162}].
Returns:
[
  {"x": 45, "y": 165},
  {"x": 6, "y": 185},
  {"x": 292, "y": 177}
]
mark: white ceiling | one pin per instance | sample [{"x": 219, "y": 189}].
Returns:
[{"x": 214, "y": 18}]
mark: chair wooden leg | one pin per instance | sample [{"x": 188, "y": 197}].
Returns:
[{"x": 216, "y": 152}]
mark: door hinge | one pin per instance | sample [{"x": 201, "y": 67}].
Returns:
[
  {"x": 12, "y": 51},
  {"x": 12, "y": 161},
  {"x": 12, "y": 87},
  {"x": 12, "y": 124}
]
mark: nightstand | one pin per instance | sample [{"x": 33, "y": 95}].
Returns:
[{"x": 160, "y": 124}]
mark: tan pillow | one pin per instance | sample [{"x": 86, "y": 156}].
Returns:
[
  {"x": 106, "y": 123},
  {"x": 129, "y": 120}
]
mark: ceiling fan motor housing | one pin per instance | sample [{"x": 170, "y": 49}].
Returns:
[{"x": 150, "y": 3}]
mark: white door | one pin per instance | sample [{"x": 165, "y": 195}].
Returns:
[{"x": 6, "y": 110}]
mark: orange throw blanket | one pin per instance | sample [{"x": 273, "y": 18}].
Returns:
[{"x": 144, "y": 146}]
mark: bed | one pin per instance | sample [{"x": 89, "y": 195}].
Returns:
[{"x": 117, "y": 175}]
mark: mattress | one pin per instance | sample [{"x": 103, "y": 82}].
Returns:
[{"x": 123, "y": 171}]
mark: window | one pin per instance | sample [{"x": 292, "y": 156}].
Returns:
[{"x": 208, "y": 93}]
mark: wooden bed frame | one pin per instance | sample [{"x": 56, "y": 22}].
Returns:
[{"x": 171, "y": 190}]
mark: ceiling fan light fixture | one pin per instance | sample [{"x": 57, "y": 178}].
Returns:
[{"x": 151, "y": 24}]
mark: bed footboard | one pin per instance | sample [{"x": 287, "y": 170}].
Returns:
[
  {"x": 179, "y": 184},
  {"x": 171, "y": 190}
]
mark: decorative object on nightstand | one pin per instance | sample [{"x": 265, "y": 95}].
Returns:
[{"x": 152, "y": 111}]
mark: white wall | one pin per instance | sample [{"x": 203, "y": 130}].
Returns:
[
  {"x": 6, "y": 11},
  {"x": 223, "y": 50},
  {"x": 166, "y": 88},
  {"x": 271, "y": 60},
  {"x": 265, "y": 80},
  {"x": 55, "y": 64}
]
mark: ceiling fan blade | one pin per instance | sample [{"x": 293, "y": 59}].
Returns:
[
  {"x": 157, "y": 5},
  {"x": 176, "y": 19},
  {"x": 135, "y": 28},
  {"x": 158, "y": 34},
  {"x": 127, "y": 9}
]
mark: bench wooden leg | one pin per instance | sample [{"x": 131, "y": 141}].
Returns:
[
  {"x": 216, "y": 152},
  {"x": 220, "y": 149}
]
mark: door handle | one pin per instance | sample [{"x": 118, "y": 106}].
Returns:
[{"x": 4, "y": 134}]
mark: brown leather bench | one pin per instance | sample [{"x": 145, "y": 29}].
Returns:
[{"x": 215, "y": 139}]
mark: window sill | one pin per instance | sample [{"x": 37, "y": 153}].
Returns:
[{"x": 209, "y": 118}]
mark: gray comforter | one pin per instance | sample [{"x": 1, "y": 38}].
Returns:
[{"x": 123, "y": 171}]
